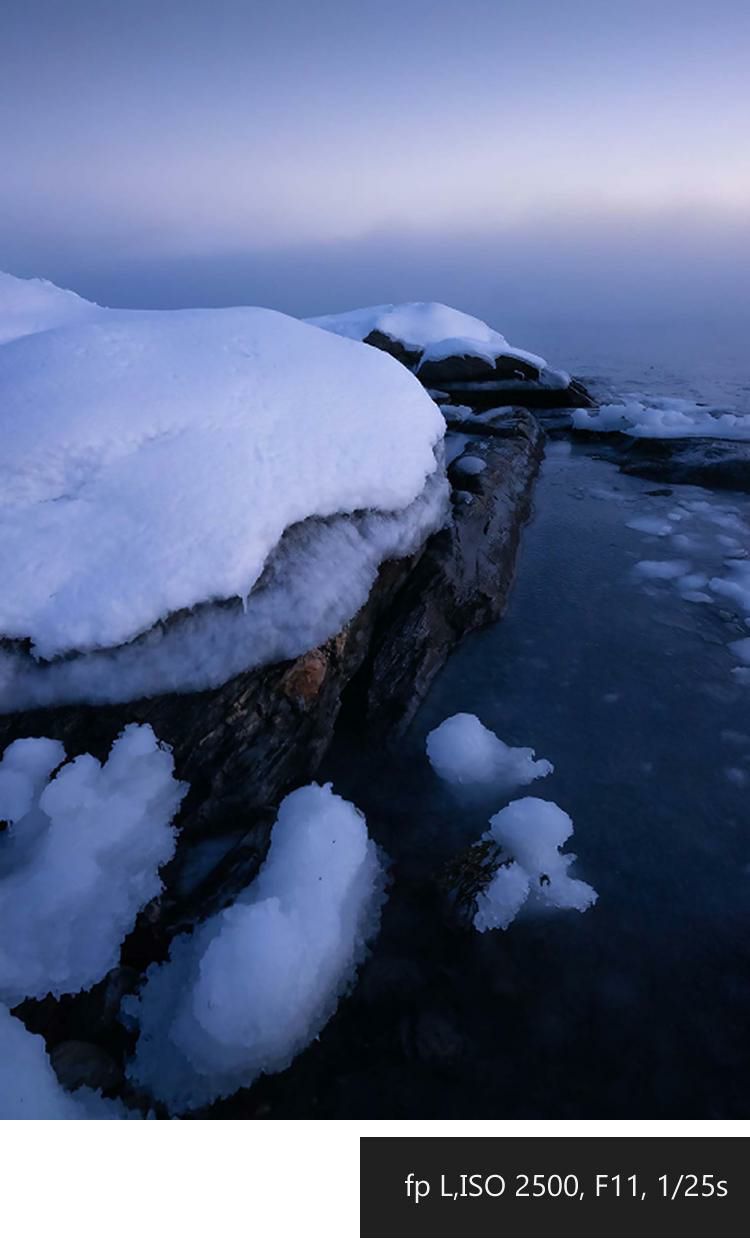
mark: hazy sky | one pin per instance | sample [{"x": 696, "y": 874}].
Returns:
[{"x": 312, "y": 154}]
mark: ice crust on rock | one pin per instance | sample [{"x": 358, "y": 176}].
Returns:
[
  {"x": 436, "y": 330},
  {"x": 463, "y": 751},
  {"x": 531, "y": 833},
  {"x": 257, "y": 982},
  {"x": 316, "y": 580},
  {"x": 152, "y": 461},
  {"x": 79, "y": 858}
]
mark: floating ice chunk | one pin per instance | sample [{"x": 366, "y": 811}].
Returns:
[
  {"x": 501, "y": 901},
  {"x": 650, "y": 524},
  {"x": 736, "y": 585},
  {"x": 531, "y": 833},
  {"x": 693, "y": 580},
  {"x": 80, "y": 858},
  {"x": 741, "y": 649},
  {"x": 661, "y": 569},
  {"x": 742, "y": 675},
  {"x": 257, "y": 982},
  {"x": 463, "y": 751},
  {"x": 29, "y": 1088}
]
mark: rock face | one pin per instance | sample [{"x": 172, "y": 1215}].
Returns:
[
  {"x": 720, "y": 463},
  {"x": 463, "y": 579}
]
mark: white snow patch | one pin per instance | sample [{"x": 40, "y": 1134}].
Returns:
[
  {"x": 80, "y": 858},
  {"x": 463, "y": 751},
  {"x": 531, "y": 832},
  {"x": 152, "y": 461},
  {"x": 256, "y": 983},
  {"x": 663, "y": 417},
  {"x": 29, "y": 1088},
  {"x": 501, "y": 901}
]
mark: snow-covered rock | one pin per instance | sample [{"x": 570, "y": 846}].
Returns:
[
  {"x": 257, "y": 982},
  {"x": 79, "y": 859},
  {"x": 453, "y": 351},
  {"x": 465, "y": 752},
  {"x": 152, "y": 462},
  {"x": 29, "y": 1088}
]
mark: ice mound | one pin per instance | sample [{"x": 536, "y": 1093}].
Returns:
[
  {"x": 463, "y": 751},
  {"x": 663, "y": 417},
  {"x": 79, "y": 858},
  {"x": 28, "y": 306},
  {"x": 152, "y": 461},
  {"x": 253, "y": 985},
  {"x": 29, "y": 1088},
  {"x": 531, "y": 833}
]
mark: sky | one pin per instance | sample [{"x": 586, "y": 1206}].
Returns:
[{"x": 549, "y": 156}]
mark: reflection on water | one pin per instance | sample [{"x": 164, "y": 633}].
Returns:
[{"x": 641, "y": 1006}]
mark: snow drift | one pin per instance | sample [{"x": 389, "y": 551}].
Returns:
[
  {"x": 79, "y": 858},
  {"x": 256, "y": 983}
]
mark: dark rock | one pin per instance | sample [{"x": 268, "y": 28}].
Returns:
[
  {"x": 462, "y": 368},
  {"x": 81, "y": 1063},
  {"x": 467, "y": 379},
  {"x": 465, "y": 877},
  {"x": 487, "y": 395},
  {"x": 409, "y": 357},
  {"x": 461, "y": 582},
  {"x": 240, "y": 746},
  {"x": 720, "y": 463}
]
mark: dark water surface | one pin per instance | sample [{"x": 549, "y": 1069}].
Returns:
[{"x": 641, "y": 1006}]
